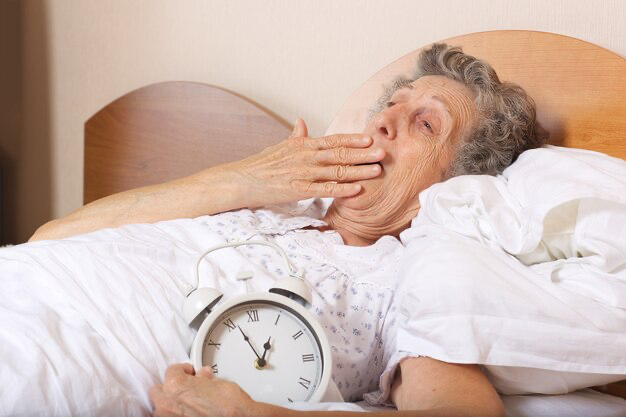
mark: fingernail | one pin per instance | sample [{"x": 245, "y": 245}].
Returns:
[{"x": 365, "y": 140}]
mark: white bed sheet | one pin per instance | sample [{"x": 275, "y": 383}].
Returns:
[{"x": 584, "y": 403}]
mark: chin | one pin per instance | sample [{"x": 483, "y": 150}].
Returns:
[{"x": 366, "y": 198}]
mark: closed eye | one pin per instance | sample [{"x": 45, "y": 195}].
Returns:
[{"x": 390, "y": 104}]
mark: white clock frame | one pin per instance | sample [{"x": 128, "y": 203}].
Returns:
[
  {"x": 326, "y": 390},
  {"x": 201, "y": 306}
]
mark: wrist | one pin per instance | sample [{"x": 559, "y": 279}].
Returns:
[{"x": 223, "y": 187}]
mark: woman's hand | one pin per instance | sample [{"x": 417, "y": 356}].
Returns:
[
  {"x": 187, "y": 394},
  {"x": 301, "y": 167}
]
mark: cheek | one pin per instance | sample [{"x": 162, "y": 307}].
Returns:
[{"x": 422, "y": 167}]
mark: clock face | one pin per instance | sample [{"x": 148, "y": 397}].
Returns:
[{"x": 266, "y": 348}]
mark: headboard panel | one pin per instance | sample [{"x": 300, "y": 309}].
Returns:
[
  {"x": 170, "y": 130},
  {"x": 579, "y": 88}
]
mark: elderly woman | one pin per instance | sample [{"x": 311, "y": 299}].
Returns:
[{"x": 453, "y": 117}]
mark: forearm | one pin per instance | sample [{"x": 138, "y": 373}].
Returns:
[
  {"x": 294, "y": 169},
  {"x": 211, "y": 191},
  {"x": 444, "y": 389}
]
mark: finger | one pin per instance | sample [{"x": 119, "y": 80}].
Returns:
[
  {"x": 347, "y": 173},
  {"x": 340, "y": 140},
  {"x": 299, "y": 129},
  {"x": 176, "y": 377},
  {"x": 347, "y": 156},
  {"x": 178, "y": 369},
  {"x": 188, "y": 369},
  {"x": 206, "y": 372},
  {"x": 303, "y": 131},
  {"x": 326, "y": 189}
]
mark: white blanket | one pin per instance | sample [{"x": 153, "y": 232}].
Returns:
[
  {"x": 89, "y": 323},
  {"x": 585, "y": 403},
  {"x": 524, "y": 273},
  {"x": 84, "y": 336}
]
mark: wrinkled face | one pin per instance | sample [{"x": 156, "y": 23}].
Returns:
[{"x": 418, "y": 131}]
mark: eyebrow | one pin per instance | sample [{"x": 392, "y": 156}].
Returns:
[
  {"x": 439, "y": 99},
  {"x": 404, "y": 87},
  {"x": 443, "y": 102}
]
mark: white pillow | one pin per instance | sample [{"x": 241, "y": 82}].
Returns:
[{"x": 465, "y": 297}]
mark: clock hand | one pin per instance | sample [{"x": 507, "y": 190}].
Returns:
[
  {"x": 267, "y": 347},
  {"x": 247, "y": 339}
]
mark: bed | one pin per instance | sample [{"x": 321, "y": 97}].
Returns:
[{"x": 169, "y": 130}]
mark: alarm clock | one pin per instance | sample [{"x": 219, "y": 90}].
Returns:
[{"x": 266, "y": 342}]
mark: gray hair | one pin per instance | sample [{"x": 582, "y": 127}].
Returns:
[{"x": 507, "y": 124}]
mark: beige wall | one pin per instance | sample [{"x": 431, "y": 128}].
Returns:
[{"x": 297, "y": 58}]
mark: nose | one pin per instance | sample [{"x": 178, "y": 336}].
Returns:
[{"x": 385, "y": 124}]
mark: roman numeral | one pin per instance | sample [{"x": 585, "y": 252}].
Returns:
[
  {"x": 276, "y": 322},
  {"x": 297, "y": 335},
  {"x": 253, "y": 315},
  {"x": 214, "y": 367},
  {"x": 229, "y": 323},
  {"x": 304, "y": 382},
  {"x": 212, "y": 343},
  {"x": 307, "y": 358}
]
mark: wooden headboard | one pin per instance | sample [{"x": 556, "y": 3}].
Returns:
[{"x": 170, "y": 130}]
